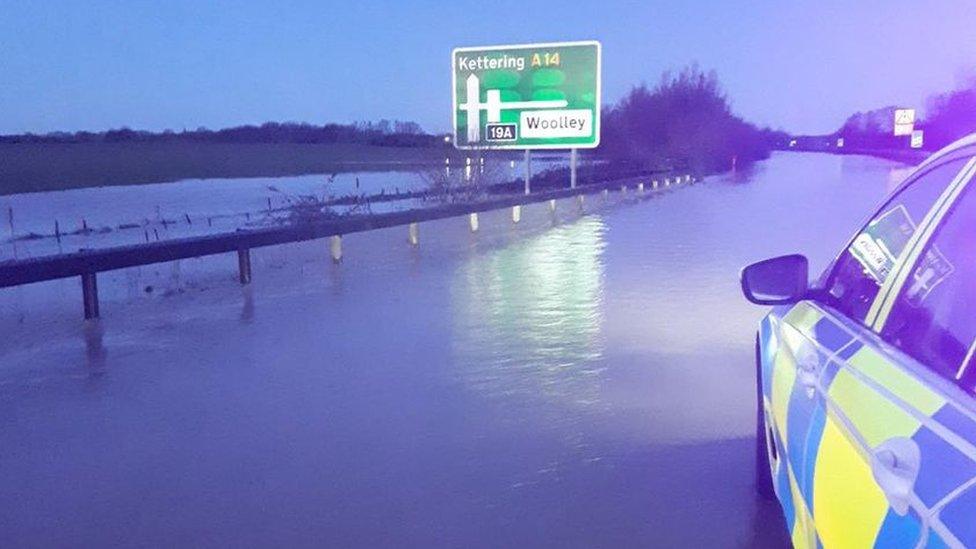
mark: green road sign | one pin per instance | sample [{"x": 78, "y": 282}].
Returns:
[{"x": 529, "y": 96}]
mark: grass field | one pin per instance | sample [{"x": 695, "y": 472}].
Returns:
[{"x": 44, "y": 167}]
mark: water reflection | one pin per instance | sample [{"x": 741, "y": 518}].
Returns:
[{"x": 530, "y": 315}]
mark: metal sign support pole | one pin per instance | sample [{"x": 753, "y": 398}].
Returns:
[
  {"x": 572, "y": 168},
  {"x": 528, "y": 171}
]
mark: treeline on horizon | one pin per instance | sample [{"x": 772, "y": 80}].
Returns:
[
  {"x": 683, "y": 122},
  {"x": 946, "y": 117},
  {"x": 387, "y": 133}
]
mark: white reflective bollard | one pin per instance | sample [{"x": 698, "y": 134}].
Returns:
[
  {"x": 516, "y": 214},
  {"x": 335, "y": 248},
  {"x": 473, "y": 222},
  {"x": 413, "y": 234},
  {"x": 640, "y": 188},
  {"x": 552, "y": 205}
]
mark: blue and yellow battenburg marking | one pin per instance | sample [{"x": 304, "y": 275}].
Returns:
[{"x": 823, "y": 478}]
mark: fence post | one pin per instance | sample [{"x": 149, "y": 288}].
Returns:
[
  {"x": 89, "y": 295},
  {"x": 244, "y": 265}
]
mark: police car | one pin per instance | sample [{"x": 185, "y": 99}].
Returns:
[{"x": 866, "y": 377}]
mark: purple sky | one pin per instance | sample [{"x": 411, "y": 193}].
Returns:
[{"x": 800, "y": 65}]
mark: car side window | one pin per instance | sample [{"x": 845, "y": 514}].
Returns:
[
  {"x": 866, "y": 263},
  {"x": 933, "y": 318}
]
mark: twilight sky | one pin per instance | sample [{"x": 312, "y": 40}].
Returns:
[{"x": 799, "y": 65}]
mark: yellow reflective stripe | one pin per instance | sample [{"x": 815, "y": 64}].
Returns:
[
  {"x": 784, "y": 374},
  {"x": 883, "y": 302},
  {"x": 850, "y": 506},
  {"x": 896, "y": 380},
  {"x": 803, "y": 317},
  {"x": 875, "y": 418}
]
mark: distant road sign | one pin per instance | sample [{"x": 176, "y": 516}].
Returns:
[
  {"x": 918, "y": 139},
  {"x": 904, "y": 121},
  {"x": 529, "y": 96}
]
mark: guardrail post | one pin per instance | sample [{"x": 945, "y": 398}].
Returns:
[
  {"x": 335, "y": 249},
  {"x": 473, "y": 221},
  {"x": 413, "y": 234},
  {"x": 244, "y": 265},
  {"x": 89, "y": 295},
  {"x": 516, "y": 214}
]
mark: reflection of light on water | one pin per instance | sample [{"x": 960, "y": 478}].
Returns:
[{"x": 531, "y": 315}]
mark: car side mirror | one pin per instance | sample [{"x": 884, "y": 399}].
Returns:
[{"x": 777, "y": 281}]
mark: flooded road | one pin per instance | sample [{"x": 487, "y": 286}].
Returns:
[{"x": 570, "y": 381}]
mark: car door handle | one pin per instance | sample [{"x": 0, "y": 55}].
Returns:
[{"x": 895, "y": 464}]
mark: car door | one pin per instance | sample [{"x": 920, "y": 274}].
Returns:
[
  {"x": 931, "y": 323},
  {"x": 827, "y": 421},
  {"x": 875, "y": 451}
]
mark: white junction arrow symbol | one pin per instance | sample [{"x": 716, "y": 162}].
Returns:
[{"x": 494, "y": 106}]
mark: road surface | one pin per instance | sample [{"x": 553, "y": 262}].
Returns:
[{"x": 569, "y": 382}]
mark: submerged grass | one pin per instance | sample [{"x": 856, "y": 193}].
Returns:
[{"x": 34, "y": 167}]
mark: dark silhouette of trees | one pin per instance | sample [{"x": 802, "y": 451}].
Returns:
[
  {"x": 950, "y": 116},
  {"x": 685, "y": 122}
]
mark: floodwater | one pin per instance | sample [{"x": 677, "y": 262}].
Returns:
[
  {"x": 99, "y": 217},
  {"x": 570, "y": 381}
]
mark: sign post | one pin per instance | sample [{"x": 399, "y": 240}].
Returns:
[
  {"x": 525, "y": 97},
  {"x": 573, "y": 154}
]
